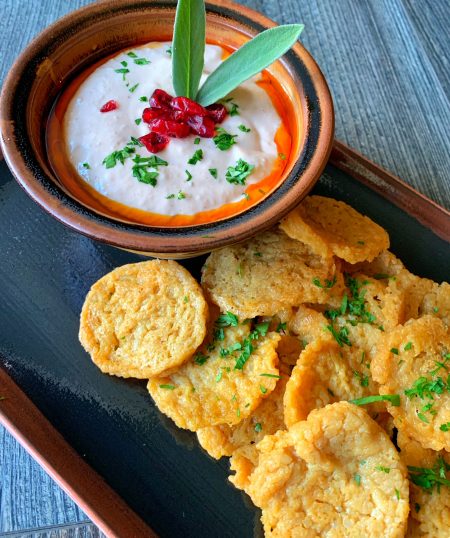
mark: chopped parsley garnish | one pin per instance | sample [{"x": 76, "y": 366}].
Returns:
[
  {"x": 257, "y": 254},
  {"x": 132, "y": 54},
  {"x": 355, "y": 305},
  {"x": 185, "y": 299},
  {"x": 237, "y": 174},
  {"x": 238, "y": 412},
  {"x": 243, "y": 128},
  {"x": 124, "y": 63},
  {"x": 363, "y": 379},
  {"x": 200, "y": 358},
  {"x": 397, "y": 493},
  {"x": 234, "y": 110},
  {"x": 408, "y": 346},
  {"x": 282, "y": 156},
  {"x": 86, "y": 165},
  {"x": 260, "y": 330},
  {"x": 417, "y": 507},
  {"x": 394, "y": 350},
  {"x": 133, "y": 88},
  {"x": 122, "y": 154},
  {"x": 263, "y": 389},
  {"x": 144, "y": 99},
  {"x": 281, "y": 327},
  {"x": 144, "y": 176},
  {"x": 122, "y": 71},
  {"x": 445, "y": 427},
  {"x": 170, "y": 196},
  {"x": 393, "y": 399},
  {"x": 188, "y": 175},
  {"x": 169, "y": 51},
  {"x": 246, "y": 196},
  {"x": 224, "y": 140},
  {"x": 357, "y": 478},
  {"x": 213, "y": 172},
  {"x": 247, "y": 350},
  {"x": 386, "y": 470},
  {"x": 270, "y": 375},
  {"x": 197, "y": 141},
  {"x": 168, "y": 387},
  {"x": 427, "y": 478},
  {"x": 441, "y": 364},
  {"x": 198, "y": 156},
  {"x": 340, "y": 336},
  {"x": 258, "y": 427},
  {"x": 219, "y": 376},
  {"x": 227, "y": 320},
  {"x": 141, "y": 167},
  {"x": 138, "y": 121},
  {"x": 425, "y": 388},
  {"x": 327, "y": 283},
  {"x": 181, "y": 195},
  {"x": 141, "y": 61}
]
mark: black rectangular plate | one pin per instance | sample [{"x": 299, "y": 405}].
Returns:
[{"x": 159, "y": 470}]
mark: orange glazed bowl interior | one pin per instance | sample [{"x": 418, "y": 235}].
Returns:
[{"x": 74, "y": 43}]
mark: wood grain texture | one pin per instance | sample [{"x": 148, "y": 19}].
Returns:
[
  {"x": 387, "y": 65},
  {"x": 49, "y": 448},
  {"x": 386, "y": 62}
]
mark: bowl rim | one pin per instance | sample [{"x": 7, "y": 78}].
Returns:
[{"x": 197, "y": 239}]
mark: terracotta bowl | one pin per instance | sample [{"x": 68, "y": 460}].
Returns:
[{"x": 96, "y": 31}]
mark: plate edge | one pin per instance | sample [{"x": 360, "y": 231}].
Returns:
[
  {"x": 107, "y": 510},
  {"x": 24, "y": 421},
  {"x": 392, "y": 188}
]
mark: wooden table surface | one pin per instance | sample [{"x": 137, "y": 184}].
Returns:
[{"x": 387, "y": 64}]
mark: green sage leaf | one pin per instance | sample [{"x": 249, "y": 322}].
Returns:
[
  {"x": 250, "y": 59},
  {"x": 188, "y": 48}
]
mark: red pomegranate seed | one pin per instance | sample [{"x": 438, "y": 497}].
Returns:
[
  {"x": 160, "y": 99},
  {"x": 110, "y": 105},
  {"x": 203, "y": 126},
  {"x": 217, "y": 112},
  {"x": 150, "y": 114},
  {"x": 188, "y": 106},
  {"x": 170, "y": 128},
  {"x": 154, "y": 142}
]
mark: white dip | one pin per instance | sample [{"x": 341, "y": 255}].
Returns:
[{"x": 92, "y": 135}]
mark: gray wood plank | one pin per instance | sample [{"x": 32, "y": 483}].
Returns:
[
  {"x": 28, "y": 496},
  {"x": 387, "y": 65},
  {"x": 383, "y": 62}
]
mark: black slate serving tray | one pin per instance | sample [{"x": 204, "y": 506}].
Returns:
[{"x": 157, "y": 469}]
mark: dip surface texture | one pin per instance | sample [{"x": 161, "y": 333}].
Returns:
[{"x": 181, "y": 187}]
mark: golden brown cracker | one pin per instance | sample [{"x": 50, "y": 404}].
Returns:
[
  {"x": 267, "y": 274},
  {"x": 413, "y": 361},
  {"x": 266, "y": 419},
  {"x": 143, "y": 319},
  {"x": 209, "y": 390},
  {"x": 385, "y": 264},
  {"x": 336, "y": 470},
  {"x": 326, "y": 373},
  {"x": 430, "y": 502},
  {"x": 437, "y": 302},
  {"x": 332, "y": 227}
]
